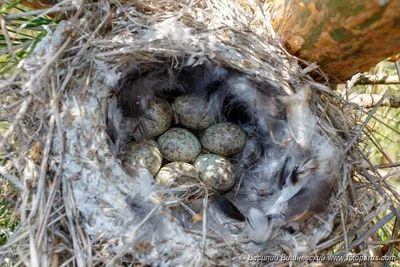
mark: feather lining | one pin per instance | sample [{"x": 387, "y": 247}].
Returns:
[{"x": 286, "y": 168}]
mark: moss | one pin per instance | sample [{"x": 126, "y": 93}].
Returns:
[
  {"x": 302, "y": 20},
  {"x": 397, "y": 22},
  {"x": 358, "y": 9},
  {"x": 343, "y": 7},
  {"x": 341, "y": 35},
  {"x": 316, "y": 32},
  {"x": 326, "y": 60},
  {"x": 335, "y": 4},
  {"x": 346, "y": 47},
  {"x": 374, "y": 18}
]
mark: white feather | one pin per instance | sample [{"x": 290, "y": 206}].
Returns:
[
  {"x": 258, "y": 227},
  {"x": 301, "y": 120}
]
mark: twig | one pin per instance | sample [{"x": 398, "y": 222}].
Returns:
[
  {"x": 43, "y": 171},
  {"x": 350, "y": 83},
  {"x": 371, "y": 100},
  {"x": 83, "y": 50},
  {"x": 51, "y": 61},
  {"x": 384, "y": 123},
  {"x": 368, "y": 233},
  {"x": 372, "y": 179},
  {"x": 372, "y": 79},
  {"x": 374, "y": 243},
  {"x": 376, "y": 143},
  {"x": 146, "y": 218},
  {"x": 39, "y": 12},
  {"x": 397, "y": 65},
  {"x": 57, "y": 180},
  {"x": 15, "y": 47},
  {"x": 231, "y": 243},
  {"x": 346, "y": 240},
  {"x": 360, "y": 130},
  {"x": 346, "y": 171},
  {"x": 33, "y": 248},
  {"x": 23, "y": 109},
  {"x": 66, "y": 185},
  {"x": 205, "y": 201},
  {"x": 373, "y": 132},
  {"x": 330, "y": 243},
  {"x": 14, "y": 180},
  {"x": 137, "y": 228},
  {"x": 68, "y": 198},
  {"x": 18, "y": 235},
  {"x": 390, "y": 118},
  {"x": 395, "y": 232},
  {"x": 388, "y": 165},
  {"x": 6, "y": 35},
  {"x": 25, "y": 104},
  {"x": 397, "y": 223}
]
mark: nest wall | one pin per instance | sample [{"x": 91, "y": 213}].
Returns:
[{"x": 75, "y": 195}]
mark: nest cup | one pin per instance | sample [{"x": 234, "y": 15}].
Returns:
[
  {"x": 204, "y": 78},
  {"x": 118, "y": 215}
]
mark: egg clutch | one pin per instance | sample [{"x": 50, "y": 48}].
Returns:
[{"x": 195, "y": 149}]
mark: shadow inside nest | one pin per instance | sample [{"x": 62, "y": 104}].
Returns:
[{"x": 257, "y": 152}]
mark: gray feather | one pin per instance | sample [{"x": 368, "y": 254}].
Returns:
[{"x": 116, "y": 129}]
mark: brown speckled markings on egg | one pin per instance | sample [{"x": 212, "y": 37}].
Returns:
[
  {"x": 178, "y": 173},
  {"x": 192, "y": 112},
  {"x": 215, "y": 171},
  {"x": 146, "y": 154},
  {"x": 226, "y": 139},
  {"x": 158, "y": 118},
  {"x": 179, "y": 144}
]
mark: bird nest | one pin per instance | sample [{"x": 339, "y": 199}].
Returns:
[{"x": 306, "y": 192}]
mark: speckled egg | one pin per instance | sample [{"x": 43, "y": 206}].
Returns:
[
  {"x": 179, "y": 144},
  {"x": 225, "y": 139},
  {"x": 215, "y": 171},
  {"x": 146, "y": 154},
  {"x": 178, "y": 173},
  {"x": 192, "y": 112},
  {"x": 158, "y": 118}
]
